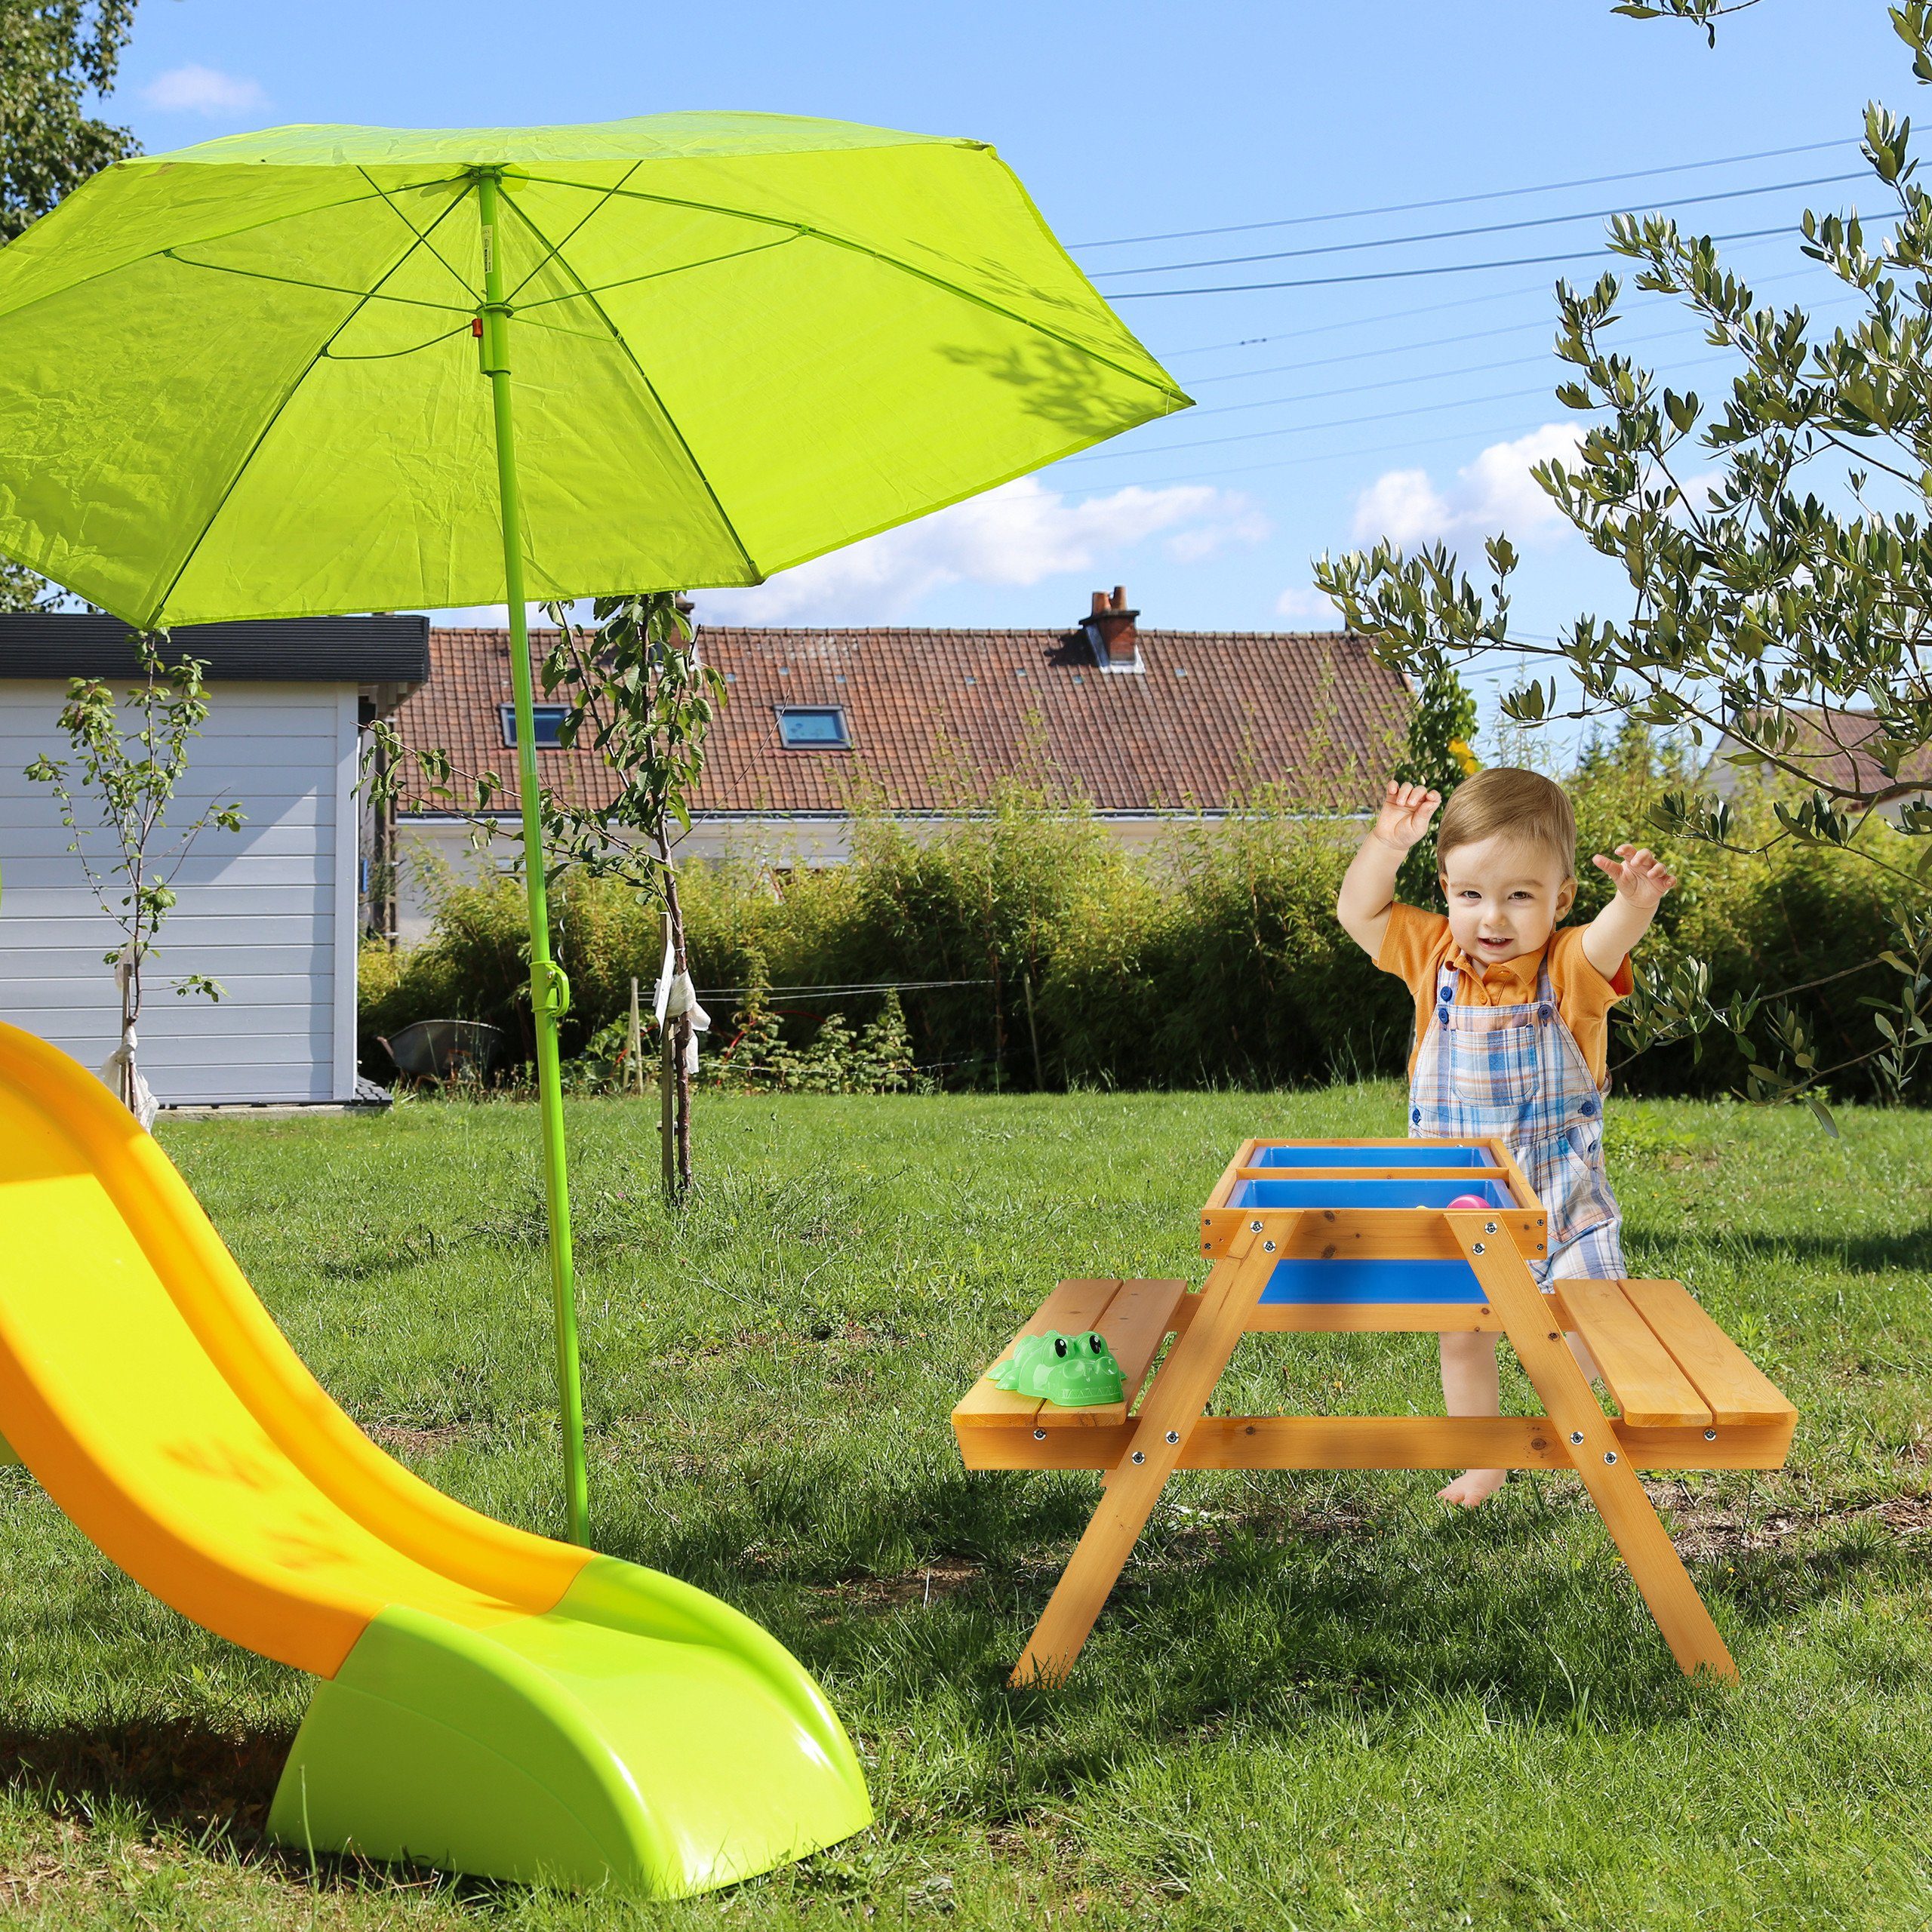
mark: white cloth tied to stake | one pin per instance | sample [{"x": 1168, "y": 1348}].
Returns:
[
  {"x": 117, "y": 1071},
  {"x": 676, "y": 995}
]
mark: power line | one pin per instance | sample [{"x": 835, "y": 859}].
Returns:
[
  {"x": 1442, "y": 375},
  {"x": 852, "y": 991},
  {"x": 1458, "y": 200},
  {"x": 1449, "y": 341},
  {"x": 1405, "y": 274},
  {"x": 1346, "y": 423},
  {"x": 1460, "y": 234},
  {"x": 1539, "y": 288}
]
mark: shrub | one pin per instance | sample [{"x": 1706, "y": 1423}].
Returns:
[{"x": 1217, "y": 961}]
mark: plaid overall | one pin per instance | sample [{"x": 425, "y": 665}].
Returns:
[{"x": 1517, "y": 1072}]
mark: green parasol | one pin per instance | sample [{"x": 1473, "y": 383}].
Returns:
[{"x": 277, "y": 374}]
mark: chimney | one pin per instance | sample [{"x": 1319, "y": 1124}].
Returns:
[{"x": 1109, "y": 628}]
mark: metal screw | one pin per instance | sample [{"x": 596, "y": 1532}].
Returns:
[
  {"x": 1489, "y": 1227},
  {"x": 1039, "y": 1435},
  {"x": 1710, "y": 1435},
  {"x": 1576, "y": 1438},
  {"x": 1478, "y": 1248},
  {"x": 1254, "y": 1227},
  {"x": 1140, "y": 1455},
  {"x": 1173, "y": 1436},
  {"x": 1267, "y": 1248},
  {"x": 1610, "y": 1455}
]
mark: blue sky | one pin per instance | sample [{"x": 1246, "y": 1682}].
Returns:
[{"x": 1408, "y": 406}]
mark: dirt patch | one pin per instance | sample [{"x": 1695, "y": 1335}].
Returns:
[
  {"x": 1703, "y": 1525},
  {"x": 418, "y": 1442},
  {"x": 945, "y": 1578}
]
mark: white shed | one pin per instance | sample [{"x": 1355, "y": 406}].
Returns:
[{"x": 271, "y": 911}]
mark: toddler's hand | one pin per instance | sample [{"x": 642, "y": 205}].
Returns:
[
  {"x": 1640, "y": 877},
  {"x": 1405, "y": 814}
]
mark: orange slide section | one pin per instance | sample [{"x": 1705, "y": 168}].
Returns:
[{"x": 145, "y": 1387}]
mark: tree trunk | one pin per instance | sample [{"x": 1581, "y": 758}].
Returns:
[{"x": 681, "y": 1032}]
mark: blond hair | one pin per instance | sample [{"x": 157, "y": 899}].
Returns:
[{"x": 1523, "y": 806}]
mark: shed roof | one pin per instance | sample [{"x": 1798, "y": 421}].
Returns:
[
  {"x": 384, "y": 648},
  {"x": 936, "y": 717}
]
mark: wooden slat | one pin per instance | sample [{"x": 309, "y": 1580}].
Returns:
[
  {"x": 1737, "y": 1389},
  {"x": 1374, "y": 1234},
  {"x": 1373, "y": 1317},
  {"x": 1072, "y": 1307},
  {"x": 1135, "y": 1324},
  {"x": 1168, "y": 1417},
  {"x": 1642, "y": 1375},
  {"x": 1225, "y": 1186},
  {"x": 1332, "y": 1442},
  {"x": 1138, "y": 1321},
  {"x": 1535, "y": 1333},
  {"x": 1519, "y": 1181},
  {"x": 1373, "y": 1173}
]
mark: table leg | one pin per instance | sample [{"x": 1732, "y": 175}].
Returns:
[
  {"x": 1168, "y": 1417},
  {"x": 1584, "y": 1433}
]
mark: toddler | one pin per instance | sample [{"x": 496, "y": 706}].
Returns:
[{"x": 1512, "y": 1011}]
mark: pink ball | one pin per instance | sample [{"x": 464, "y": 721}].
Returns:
[{"x": 1468, "y": 1201}]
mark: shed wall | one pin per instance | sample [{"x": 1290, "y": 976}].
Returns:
[{"x": 269, "y": 911}]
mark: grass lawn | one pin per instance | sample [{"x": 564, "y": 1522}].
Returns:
[{"x": 1315, "y": 1701}]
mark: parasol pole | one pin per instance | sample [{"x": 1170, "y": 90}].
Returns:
[{"x": 549, "y": 992}]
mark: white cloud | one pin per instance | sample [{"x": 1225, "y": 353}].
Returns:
[
  {"x": 198, "y": 89},
  {"x": 1305, "y": 604},
  {"x": 1021, "y": 533},
  {"x": 1494, "y": 493}
]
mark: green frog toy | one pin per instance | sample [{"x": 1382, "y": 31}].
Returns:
[{"x": 1074, "y": 1371}]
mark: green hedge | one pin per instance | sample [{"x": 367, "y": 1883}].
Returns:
[{"x": 1219, "y": 963}]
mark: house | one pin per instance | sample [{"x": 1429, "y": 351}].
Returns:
[
  {"x": 270, "y": 911},
  {"x": 1831, "y": 748},
  {"x": 1152, "y": 727}
]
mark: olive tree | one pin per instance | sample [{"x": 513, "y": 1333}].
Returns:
[{"x": 1776, "y": 541}]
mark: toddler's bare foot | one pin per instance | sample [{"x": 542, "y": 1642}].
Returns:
[{"x": 1473, "y": 1486}]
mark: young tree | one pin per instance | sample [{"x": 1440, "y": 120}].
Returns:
[
  {"x": 53, "y": 53},
  {"x": 124, "y": 779},
  {"x": 635, "y": 690},
  {"x": 1777, "y": 545}
]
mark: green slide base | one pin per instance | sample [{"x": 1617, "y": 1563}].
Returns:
[{"x": 641, "y": 1735}]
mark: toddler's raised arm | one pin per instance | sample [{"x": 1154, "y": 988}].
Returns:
[
  {"x": 1641, "y": 883},
  {"x": 1368, "y": 887}
]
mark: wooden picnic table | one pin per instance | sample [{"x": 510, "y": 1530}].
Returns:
[{"x": 1358, "y": 1236}]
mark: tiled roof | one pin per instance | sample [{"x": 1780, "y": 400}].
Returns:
[
  {"x": 1829, "y": 750},
  {"x": 935, "y": 716}
]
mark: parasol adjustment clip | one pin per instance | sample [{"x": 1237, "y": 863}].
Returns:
[{"x": 550, "y": 988}]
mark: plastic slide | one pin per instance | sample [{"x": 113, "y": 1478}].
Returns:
[{"x": 490, "y": 1702}]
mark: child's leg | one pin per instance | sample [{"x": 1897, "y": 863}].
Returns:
[{"x": 1471, "y": 1387}]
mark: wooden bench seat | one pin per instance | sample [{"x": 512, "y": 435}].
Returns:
[
  {"x": 1136, "y": 1317},
  {"x": 1687, "y": 1396},
  {"x": 1669, "y": 1366}
]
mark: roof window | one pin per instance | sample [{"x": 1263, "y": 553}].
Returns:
[
  {"x": 813, "y": 728},
  {"x": 546, "y": 721}
]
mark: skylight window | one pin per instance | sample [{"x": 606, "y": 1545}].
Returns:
[
  {"x": 546, "y": 721},
  {"x": 813, "y": 728}
]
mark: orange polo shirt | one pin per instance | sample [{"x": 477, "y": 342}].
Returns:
[{"x": 1417, "y": 946}]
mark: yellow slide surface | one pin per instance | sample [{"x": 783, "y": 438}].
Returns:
[{"x": 145, "y": 1387}]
